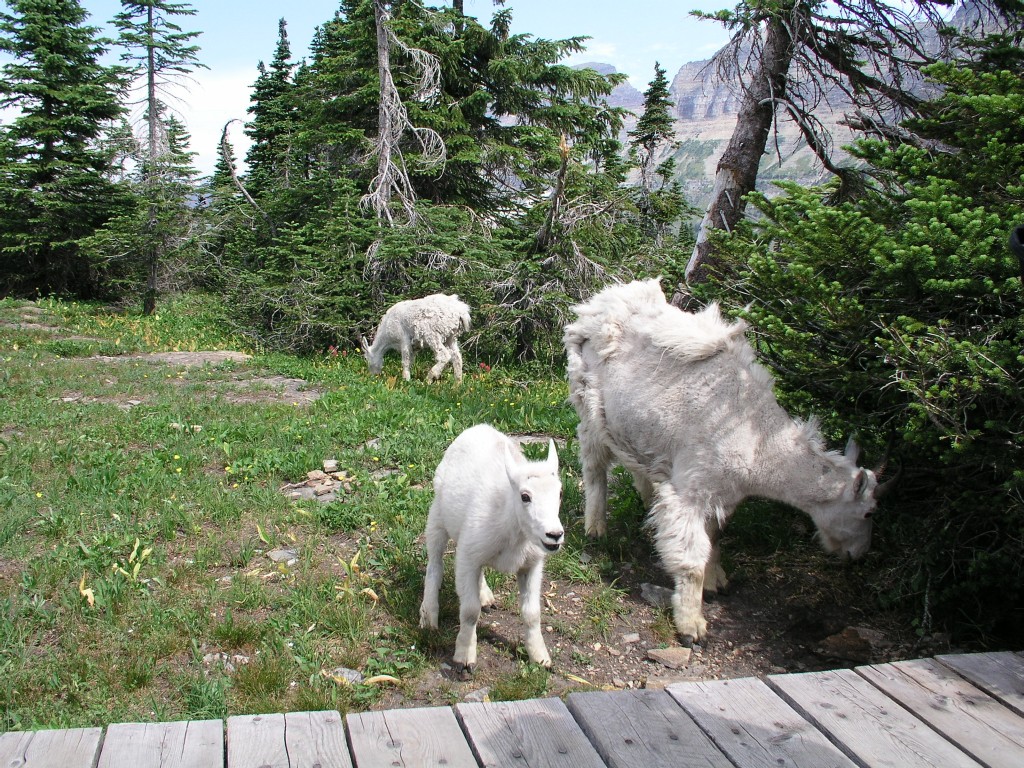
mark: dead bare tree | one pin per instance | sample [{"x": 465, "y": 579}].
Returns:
[
  {"x": 392, "y": 181},
  {"x": 787, "y": 57},
  {"x": 226, "y": 153}
]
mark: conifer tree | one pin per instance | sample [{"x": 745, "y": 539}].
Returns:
[
  {"x": 659, "y": 200},
  {"x": 161, "y": 52},
  {"x": 53, "y": 187},
  {"x": 274, "y": 119},
  {"x": 653, "y": 131}
]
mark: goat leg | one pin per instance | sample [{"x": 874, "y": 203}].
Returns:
[{"x": 529, "y": 580}]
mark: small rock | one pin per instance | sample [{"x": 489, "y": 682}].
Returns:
[
  {"x": 316, "y": 476},
  {"x": 323, "y": 490},
  {"x": 614, "y": 651},
  {"x": 286, "y": 556},
  {"x": 631, "y": 637},
  {"x": 479, "y": 695},
  {"x": 675, "y": 657},
  {"x": 344, "y": 673},
  {"x": 330, "y": 465},
  {"x": 776, "y": 670},
  {"x": 618, "y": 682},
  {"x": 659, "y": 597},
  {"x": 856, "y": 644}
]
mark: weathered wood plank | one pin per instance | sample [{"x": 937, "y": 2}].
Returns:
[
  {"x": 316, "y": 739},
  {"x": 197, "y": 744},
  {"x": 643, "y": 729},
  {"x": 754, "y": 727},
  {"x": 257, "y": 741},
  {"x": 980, "y": 725},
  {"x": 998, "y": 674},
  {"x": 295, "y": 740},
  {"x": 869, "y": 725},
  {"x": 408, "y": 738},
  {"x": 534, "y": 733},
  {"x": 74, "y": 748}
]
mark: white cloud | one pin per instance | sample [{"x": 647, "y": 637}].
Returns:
[{"x": 210, "y": 102}]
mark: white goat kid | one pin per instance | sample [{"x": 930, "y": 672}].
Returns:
[
  {"x": 434, "y": 321},
  {"x": 502, "y": 512},
  {"x": 679, "y": 400}
]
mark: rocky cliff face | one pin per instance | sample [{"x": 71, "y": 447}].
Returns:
[{"x": 705, "y": 115}]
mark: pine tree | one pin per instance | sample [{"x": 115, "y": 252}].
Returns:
[
  {"x": 653, "y": 131},
  {"x": 160, "y": 50},
  {"x": 274, "y": 119},
  {"x": 53, "y": 185},
  {"x": 660, "y": 202}
]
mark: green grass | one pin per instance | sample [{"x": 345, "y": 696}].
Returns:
[{"x": 140, "y": 502}]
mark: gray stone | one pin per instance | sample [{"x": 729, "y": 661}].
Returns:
[
  {"x": 287, "y": 556},
  {"x": 675, "y": 657},
  {"x": 659, "y": 597},
  {"x": 344, "y": 673}
]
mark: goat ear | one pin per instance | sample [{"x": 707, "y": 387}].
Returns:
[
  {"x": 364, "y": 345},
  {"x": 852, "y": 450},
  {"x": 860, "y": 484},
  {"x": 552, "y": 457}
]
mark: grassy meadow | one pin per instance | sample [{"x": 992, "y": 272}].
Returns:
[{"x": 140, "y": 500}]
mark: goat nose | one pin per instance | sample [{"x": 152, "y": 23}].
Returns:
[{"x": 555, "y": 535}]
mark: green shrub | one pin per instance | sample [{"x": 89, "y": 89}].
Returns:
[{"x": 899, "y": 316}]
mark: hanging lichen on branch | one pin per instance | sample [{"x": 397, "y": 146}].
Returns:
[{"x": 392, "y": 183}]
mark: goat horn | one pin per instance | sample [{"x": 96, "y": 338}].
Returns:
[{"x": 883, "y": 489}]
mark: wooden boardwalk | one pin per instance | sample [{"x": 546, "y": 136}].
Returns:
[{"x": 962, "y": 710}]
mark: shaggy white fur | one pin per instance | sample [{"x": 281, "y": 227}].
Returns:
[
  {"x": 434, "y": 321},
  {"x": 502, "y": 512},
  {"x": 679, "y": 400}
]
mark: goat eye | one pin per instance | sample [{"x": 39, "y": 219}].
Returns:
[
  {"x": 868, "y": 515},
  {"x": 525, "y": 497}
]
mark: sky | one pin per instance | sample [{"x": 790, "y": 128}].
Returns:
[{"x": 236, "y": 35}]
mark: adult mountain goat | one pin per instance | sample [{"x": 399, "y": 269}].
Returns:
[
  {"x": 434, "y": 321},
  {"x": 679, "y": 400},
  {"x": 502, "y": 512}
]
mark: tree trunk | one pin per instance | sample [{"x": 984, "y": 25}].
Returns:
[
  {"x": 736, "y": 174},
  {"x": 152, "y": 153}
]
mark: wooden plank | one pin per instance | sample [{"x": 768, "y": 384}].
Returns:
[
  {"x": 869, "y": 725},
  {"x": 966, "y": 715},
  {"x": 754, "y": 727},
  {"x": 425, "y": 736},
  {"x": 534, "y": 733},
  {"x": 195, "y": 744},
  {"x": 295, "y": 740},
  {"x": 316, "y": 739},
  {"x": 74, "y": 748},
  {"x": 257, "y": 741},
  {"x": 647, "y": 729},
  {"x": 998, "y": 674}
]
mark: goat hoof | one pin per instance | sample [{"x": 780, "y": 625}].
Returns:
[
  {"x": 687, "y": 640},
  {"x": 466, "y": 673}
]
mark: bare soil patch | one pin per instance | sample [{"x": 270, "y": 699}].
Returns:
[{"x": 782, "y": 621}]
